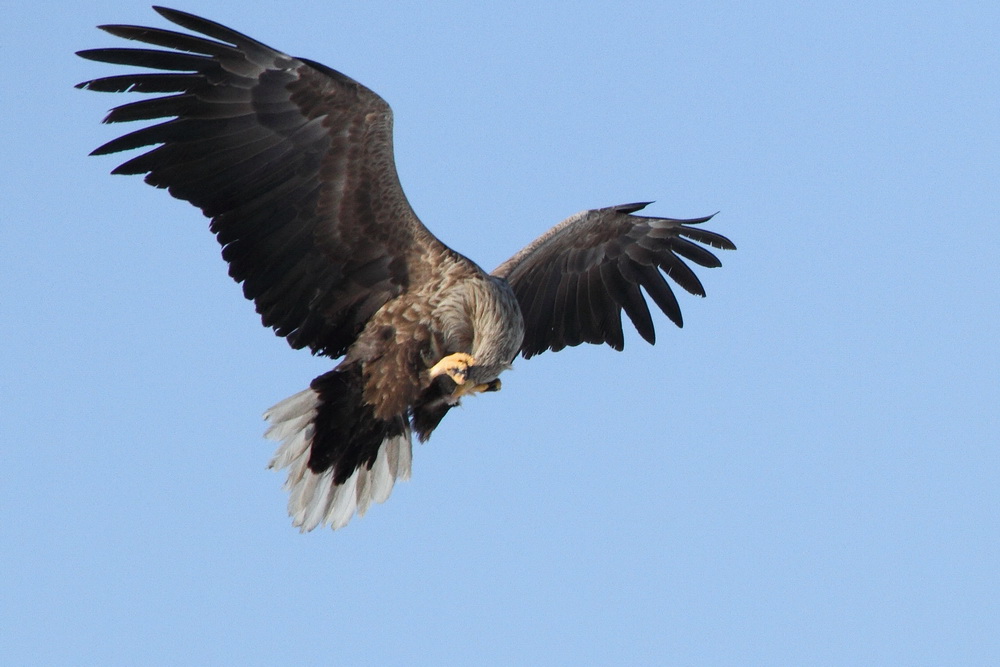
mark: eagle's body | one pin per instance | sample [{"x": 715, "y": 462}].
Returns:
[{"x": 293, "y": 162}]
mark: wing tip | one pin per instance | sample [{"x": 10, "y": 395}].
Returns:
[
  {"x": 91, "y": 54},
  {"x": 167, "y": 13},
  {"x": 631, "y": 208}
]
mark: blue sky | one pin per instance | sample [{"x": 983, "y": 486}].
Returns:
[{"x": 807, "y": 473}]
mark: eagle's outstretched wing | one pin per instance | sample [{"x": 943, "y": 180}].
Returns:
[
  {"x": 573, "y": 281},
  {"x": 290, "y": 159}
]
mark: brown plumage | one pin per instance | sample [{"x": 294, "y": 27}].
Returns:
[{"x": 293, "y": 163}]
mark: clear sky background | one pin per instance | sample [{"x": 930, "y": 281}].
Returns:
[{"x": 807, "y": 473}]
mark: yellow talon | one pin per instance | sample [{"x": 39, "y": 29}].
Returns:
[{"x": 455, "y": 366}]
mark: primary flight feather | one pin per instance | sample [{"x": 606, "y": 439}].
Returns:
[{"x": 293, "y": 163}]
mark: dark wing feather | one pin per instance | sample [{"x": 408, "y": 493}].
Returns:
[
  {"x": 292, "y": 161},
  {"x": 574, "y": 281}
]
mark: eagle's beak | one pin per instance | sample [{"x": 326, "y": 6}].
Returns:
[{"x": 470, "y": 388}]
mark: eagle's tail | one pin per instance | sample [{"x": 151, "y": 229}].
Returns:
[{"x": 339, "y": 457}]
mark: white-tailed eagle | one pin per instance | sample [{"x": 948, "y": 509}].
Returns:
[{"x": 293, "y": 163}]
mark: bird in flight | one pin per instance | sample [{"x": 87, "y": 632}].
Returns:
[{"x": 293, "y": 163}]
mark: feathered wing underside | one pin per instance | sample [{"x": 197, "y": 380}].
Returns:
[
  {"x": 290, "y": 159},
  {"x": 573, "y": 282}
]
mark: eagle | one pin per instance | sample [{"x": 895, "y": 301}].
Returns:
[{"x": 292, "y": 162}]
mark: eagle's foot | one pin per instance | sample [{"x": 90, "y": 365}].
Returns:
[
  {"x": 455, "y": 366},
  {"x": 469, "y": 389}
]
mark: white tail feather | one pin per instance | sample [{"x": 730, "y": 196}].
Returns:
[{"x": 313, "y": 498}]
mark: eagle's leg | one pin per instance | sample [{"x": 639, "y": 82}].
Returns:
[{"x": 455, "y": 366}]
